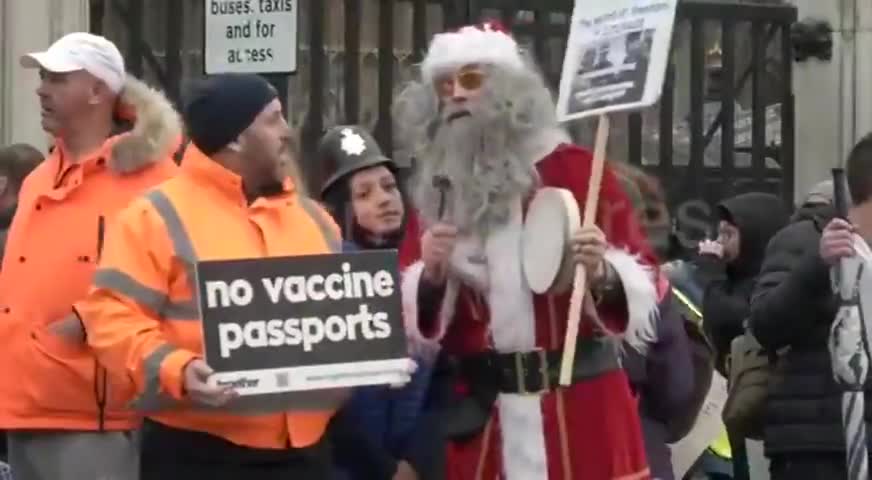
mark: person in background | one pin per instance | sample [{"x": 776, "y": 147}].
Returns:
[
  {"x": 729, "y": 267},
  {"x": 382, "y": 433},
  {"x": 817, "y": 204},
  {"x": 66, "y": 417},
  {"x": 16, "y": 163},
  {"x": 688, "y": 288},
  {"x": 232, "y": 199},
  {"x": 730, "y": 264},
  {"x": 792, "y": 310},
  {"x": 649, "y": 202},
  {"x": 664, "y": 379}
]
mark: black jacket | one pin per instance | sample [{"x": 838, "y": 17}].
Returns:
[
  {"x": 793, "y": 306},
  {"x": 758, "y": 216}
]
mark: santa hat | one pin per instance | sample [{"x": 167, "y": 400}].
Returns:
[{"x": 486, "y": 43}]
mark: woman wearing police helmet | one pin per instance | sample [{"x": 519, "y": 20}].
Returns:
[
  {"x": 382, "y": 433},
  {"x": 361, "y": 190}
]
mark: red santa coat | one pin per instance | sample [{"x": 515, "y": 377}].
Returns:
[{"x": 589, "y": 431}]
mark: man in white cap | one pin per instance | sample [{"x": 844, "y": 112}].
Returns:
[{"x": 114, "y": 138}]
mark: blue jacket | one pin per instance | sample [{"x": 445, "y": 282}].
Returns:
[{"x": 380, "y": 420}]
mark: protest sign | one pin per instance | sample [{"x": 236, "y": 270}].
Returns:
[
  {"x": 706, "y": 430},
  {"x": 250, "y": 36},
  {"x": 302, "y": 323},
  {"x": 615, "y": 59},
  {"x": 616, "y": 56}
]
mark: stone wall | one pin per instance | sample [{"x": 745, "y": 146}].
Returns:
[{"x": 27, "y": 26}]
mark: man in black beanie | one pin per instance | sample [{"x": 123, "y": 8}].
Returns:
[
  {"x": 237, "y": 120},
  {"x": 230, "y": 200}
]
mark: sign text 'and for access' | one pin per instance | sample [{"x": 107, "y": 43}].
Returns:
[
  {"x": 251, "y": 36},
  {"x": 307, "y": 332},
  {"x": 301, "y": 311}
]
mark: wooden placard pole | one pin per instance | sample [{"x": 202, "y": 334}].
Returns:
[{"x": 579, "y": 286}]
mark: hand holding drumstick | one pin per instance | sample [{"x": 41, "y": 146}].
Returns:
[{"x": 438, "y": 241}]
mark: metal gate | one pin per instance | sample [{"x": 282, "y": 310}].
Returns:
[{"x": 724, "y": 124}]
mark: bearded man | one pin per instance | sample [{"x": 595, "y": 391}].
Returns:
[{"x": 482, "y": 127}]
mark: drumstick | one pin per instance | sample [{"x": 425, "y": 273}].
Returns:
[
  {"x": 443, "y": 184},
  {"x": 579, "y": 285}
]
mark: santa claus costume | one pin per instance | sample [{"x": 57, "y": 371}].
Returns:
[{"x": 505, "y": 340}]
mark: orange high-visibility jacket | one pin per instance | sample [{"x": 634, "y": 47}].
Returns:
[
  {"x": 49, "y": 382},
  {"x": 142, "y": 318}
]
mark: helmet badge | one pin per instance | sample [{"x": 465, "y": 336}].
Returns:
[{"x": 352, "y": 142}]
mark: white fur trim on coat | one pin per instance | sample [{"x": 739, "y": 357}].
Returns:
[
  {"x": 513, "y": 329},
  {"x": 523, "y": 437},
  {"x": 156, "y": 131},
  {"x": 452, "y": 50},
  {"x": 512, "y": 317},
  {"x": 420, "y": 345},
  {"x": 641, "y": 294},
  {"x": 543, "y": 143}
]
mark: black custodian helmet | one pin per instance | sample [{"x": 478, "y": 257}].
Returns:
[{"x": 345, "y": 149}]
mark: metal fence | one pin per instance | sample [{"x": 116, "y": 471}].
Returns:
[
  {"x": 715, "y": 171},
  {"x": 724, "y": 124}
]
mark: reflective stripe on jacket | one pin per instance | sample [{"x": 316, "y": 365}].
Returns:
[
  {"x": 721, "y": 445},
  {"x": 49, "y": 382},
  {"x": 142, "y": 318}
]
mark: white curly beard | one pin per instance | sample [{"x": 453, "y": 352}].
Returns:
[{"x": 485, "y": 171}]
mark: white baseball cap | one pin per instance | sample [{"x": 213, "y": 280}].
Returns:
[{"x": 81, "y": 51}]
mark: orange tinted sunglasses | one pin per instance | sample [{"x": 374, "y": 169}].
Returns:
[{"x": 470, "y": 79}]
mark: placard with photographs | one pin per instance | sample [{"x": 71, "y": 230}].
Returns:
[{"x": 616, "y": 56}]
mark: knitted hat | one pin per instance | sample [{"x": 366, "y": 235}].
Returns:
[
  {"x": 487, "y": 43},
  {"x": 820, "y": 194},
  {"x": 219, "y": 108}
]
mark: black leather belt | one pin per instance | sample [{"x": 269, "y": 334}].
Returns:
[{"x": 538, "y": 371}]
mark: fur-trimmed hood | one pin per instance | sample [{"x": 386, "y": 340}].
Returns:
[{"x": 156, "y": 132}]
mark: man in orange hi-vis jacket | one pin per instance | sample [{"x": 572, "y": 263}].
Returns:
[
  {"x": 231, "y": 200},
  {"x": 114, "y": 137}
]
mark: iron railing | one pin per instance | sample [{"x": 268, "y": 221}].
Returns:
[{"x": 330, "y": 85}]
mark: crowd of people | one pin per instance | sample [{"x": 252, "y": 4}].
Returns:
[{"x": 104, "y": 373}]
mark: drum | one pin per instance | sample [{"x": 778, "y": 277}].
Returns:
[{"x": 551, "y": 219}]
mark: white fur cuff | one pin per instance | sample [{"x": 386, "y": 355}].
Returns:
[
  {"x": 641, "y": 294},
  {"x": 426, "y": 346}
]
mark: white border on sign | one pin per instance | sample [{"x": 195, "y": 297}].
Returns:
[
  {"x": 212, "y": 69},
  {"x": 658, "y": 60},
  {"x": 309, "y": 377},
  {"x": 315, "y": 377},
  {"x": 706, "y": 429}
]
